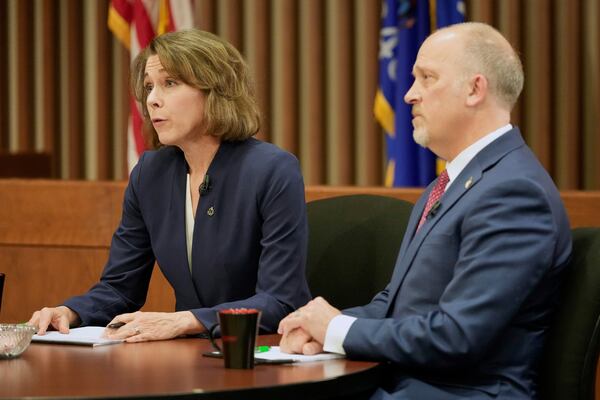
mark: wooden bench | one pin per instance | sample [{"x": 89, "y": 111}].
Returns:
[{"x": 55, "y": 237}]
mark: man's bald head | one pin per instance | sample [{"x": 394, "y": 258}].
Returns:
[{"x": 488, "y": 53}]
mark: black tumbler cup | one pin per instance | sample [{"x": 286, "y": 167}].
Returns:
[{"x": 239, "y": 327}]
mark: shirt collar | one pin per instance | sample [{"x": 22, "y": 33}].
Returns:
[{"x": 455, "y": 167}]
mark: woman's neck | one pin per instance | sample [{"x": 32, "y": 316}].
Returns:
[{"x": 200, "y": 154}]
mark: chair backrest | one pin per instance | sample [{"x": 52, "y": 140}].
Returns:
[
  {"x": 571, "y": 353},
  {"x": 353, "y": 244}
]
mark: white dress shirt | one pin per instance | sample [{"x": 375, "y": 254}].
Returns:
[
  {"x": 189, "y": 222},
  {"x": 340, "y": 325}
]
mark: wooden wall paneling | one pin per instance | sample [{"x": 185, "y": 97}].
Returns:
[
  {"x": 509, "y": 23},
  {"x": 339, "y": 92},
  {"x": 61, "y": 213},
  {"x": 284, "y": 78},
  {"x": 32, "y": 284},
  {"x": 318, "y": 192},
  {"x": 4, "y": 126},
  {"x": 37, "y": 277},
  {"x": 538, "y": 63},
  {"x": 273, "y": 35},
  {"x": 25, "y": 75},
  {"x": 50, "y": 87},
  {"x": 54, "y": 242},
  {"x": 124, "y": 60},
  {"x": 12, "y": 79},
  {"x": 119, "y": 107},
  {"x": 368, "y": 149},
  {"x": 38, "y": 67},
  {"x": 89, "y": 50},
  {"x": 102, "y": 86},
  {"x": 85, "y": 214},
  {"x": 566, "y": 115},
  {"x": 62, "y": 107},
  {"x": 480, "y": 10},
  {"x": 582, "y": 207},
  {"x": 591, "y": 95},
  {"x": 312, "y": 83},
  {"x": 205, "y": 15},
  {"x": 75, "y": 100},
  {"x": 229, "y": 22},
  {"x": 160, "y": 293},
  {"x": 257, "y": 53}
]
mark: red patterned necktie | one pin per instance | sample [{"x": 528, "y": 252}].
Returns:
[{"x": 434, "y": 196}]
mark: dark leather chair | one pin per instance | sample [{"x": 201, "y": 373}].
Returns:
[
  {"x": 353, "y": 244},
  {"x": 572, "y": 350}
]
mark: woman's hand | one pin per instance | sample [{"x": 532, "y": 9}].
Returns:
[
  {"x": 60, "y": 318},
  {"x": 146, "y": 326}
]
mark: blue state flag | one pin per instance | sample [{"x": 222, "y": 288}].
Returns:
[{"x": 405, "y": 24}]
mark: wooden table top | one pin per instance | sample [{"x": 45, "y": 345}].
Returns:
[{"x": 172, "y": 368}]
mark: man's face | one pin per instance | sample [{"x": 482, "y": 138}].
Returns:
[{"x": 438, "y": 93}]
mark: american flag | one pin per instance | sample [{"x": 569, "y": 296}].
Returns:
[{"x": 135, "y": 23}]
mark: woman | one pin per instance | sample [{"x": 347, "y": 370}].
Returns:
[{"x": 222, "y": 213}]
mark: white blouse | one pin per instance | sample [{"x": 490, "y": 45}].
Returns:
[{"x": 189, "y": 222}]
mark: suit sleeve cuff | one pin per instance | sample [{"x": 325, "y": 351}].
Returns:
[{"x": 336, "y": 333}]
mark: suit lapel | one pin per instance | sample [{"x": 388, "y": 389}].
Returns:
[
  {"x": 413, "y": 221},
  {"x": 177, "y": 215},
  {"x": 465, "y": 181},
  {"x": 411, "y": 247}
]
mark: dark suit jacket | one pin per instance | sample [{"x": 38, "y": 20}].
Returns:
[
  {"x": 472, "y": 293},
  {"x": 251, "y": 252}
]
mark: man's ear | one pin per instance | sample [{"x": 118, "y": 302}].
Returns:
[{"x": 478, "y": 90}]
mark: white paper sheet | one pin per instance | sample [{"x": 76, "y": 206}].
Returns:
[
  {"x": 86, "y": 336},
  {"x": 275, "y": 353}
]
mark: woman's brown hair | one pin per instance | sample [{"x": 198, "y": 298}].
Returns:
[{"x": 211, "y": 64}]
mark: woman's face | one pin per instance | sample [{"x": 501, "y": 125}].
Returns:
[{"x": 176, "y": 109}]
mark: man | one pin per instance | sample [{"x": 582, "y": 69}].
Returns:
[{"x": 476, "y": 280}]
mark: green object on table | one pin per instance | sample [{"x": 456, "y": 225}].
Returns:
[{"x": 261, "y": 349}]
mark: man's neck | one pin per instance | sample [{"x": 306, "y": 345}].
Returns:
[{"x": 478, "y": 128}]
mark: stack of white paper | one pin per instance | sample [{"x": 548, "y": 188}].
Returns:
[
  {"x": 275, "y": 354},
  {"x": 86, "y": 336}
]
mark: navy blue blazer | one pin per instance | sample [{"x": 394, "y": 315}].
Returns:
[
  {"x": 248, "y": 251},
  {"x": 472, "y": 294}
]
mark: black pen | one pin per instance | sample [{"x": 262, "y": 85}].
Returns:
[{"x": 115, "y": 325}]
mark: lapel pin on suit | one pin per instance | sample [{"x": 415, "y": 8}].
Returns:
[
  {"x": 469, "y": 182},
  {"x": 211, "y": 211}
]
